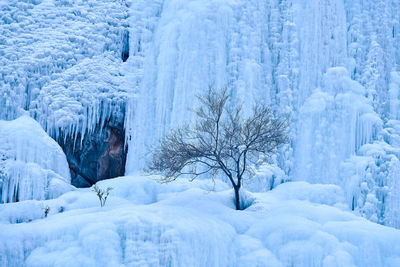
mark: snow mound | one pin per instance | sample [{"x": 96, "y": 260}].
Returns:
[
  {"x": 32, "y": 165},
  {"x": 193, "y": 224}
]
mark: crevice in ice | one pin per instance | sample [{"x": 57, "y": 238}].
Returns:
[
  {"x": 15, "y": 197},
  {"x": 125, "y": 46}
]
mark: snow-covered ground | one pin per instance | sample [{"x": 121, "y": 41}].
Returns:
[{"x": 194, "y": 224}]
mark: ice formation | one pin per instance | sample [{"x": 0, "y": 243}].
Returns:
[
  {"x": 348, "y": 122},
  {"x": 32, "y": 165},
  {"x": 61, "y": 61}
]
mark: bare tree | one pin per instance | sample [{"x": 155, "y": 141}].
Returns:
[{"x": 221, "y": 140}]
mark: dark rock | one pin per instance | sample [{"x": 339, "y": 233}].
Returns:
[{"x": 102, "y": 155}]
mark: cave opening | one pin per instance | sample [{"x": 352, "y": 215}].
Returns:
[{"x": 101, "y": 154}]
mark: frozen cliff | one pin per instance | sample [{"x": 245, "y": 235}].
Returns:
[
  {"x": 107, "y": 66},
  {"x": 61, "y": 61}
]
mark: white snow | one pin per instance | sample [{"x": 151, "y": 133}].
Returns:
[
  {"x": 32, "y": 165},
  {"x": 193, "y": 224}
]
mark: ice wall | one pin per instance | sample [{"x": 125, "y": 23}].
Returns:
[
  {"x": 333, "y": 64},
  {"x": 193, "y": 45},
  {"x": 334, "y": 122},
  {"x": 32, "y": 165}
]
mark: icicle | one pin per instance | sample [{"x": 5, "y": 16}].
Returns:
[
  {"x": 103, "y": 114},
  {"x": 75, "y": 137}
]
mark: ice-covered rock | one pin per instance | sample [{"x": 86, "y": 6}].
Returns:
[
  {"x": 63, "y": 62},
  {"x": 32, "y": 165}
]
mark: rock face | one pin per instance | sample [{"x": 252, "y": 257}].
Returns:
[
  {"x": 112, "y": 161},
  {"x": 101, "y": 155}
]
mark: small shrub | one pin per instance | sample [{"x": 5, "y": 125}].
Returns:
[
  {"x": 102, "y": 194},
  {"x": 46, "y": 211}
]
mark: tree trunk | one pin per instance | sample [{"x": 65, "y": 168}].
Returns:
[{"x": 237, "y": 199}]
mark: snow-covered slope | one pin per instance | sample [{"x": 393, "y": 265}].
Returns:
[
  {"x": 185, "y": 224},
  {"x": 32, "y": 165}
]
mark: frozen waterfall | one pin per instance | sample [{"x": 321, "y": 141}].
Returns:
[
  {"x": 332, "y": 64},
  {"x": 192, "y": 45},
  {"x": 91, "y": 73}
]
